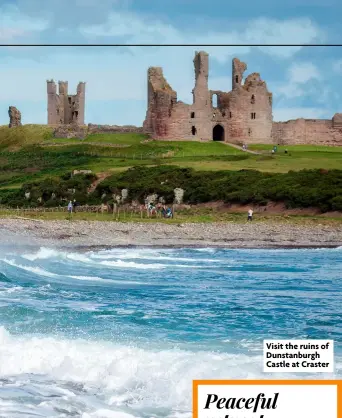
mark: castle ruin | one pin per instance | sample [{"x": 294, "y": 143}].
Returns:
[
  {"x": 242, "y": 115},
  {"x": 63, "y": 108}
]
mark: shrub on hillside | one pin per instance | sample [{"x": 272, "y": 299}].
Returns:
[
  {"x": 303, "y": 189},
  {"x": 50, "y": 192}
]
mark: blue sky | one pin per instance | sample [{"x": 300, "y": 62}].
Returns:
[{"x": 306, "y": 82}]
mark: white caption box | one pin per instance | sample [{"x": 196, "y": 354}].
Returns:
[
  {"x": 304, "y": 356},
  {"x": 295, "y": 401}
]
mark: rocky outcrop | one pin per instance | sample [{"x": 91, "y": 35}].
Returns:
[
  {"x": 76, "y": 172},
  {"x": 179, "y": 194},
  {"x": 15, "y": 117}
]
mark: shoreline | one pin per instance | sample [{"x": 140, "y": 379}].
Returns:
[{"x": 96, "y": 235}]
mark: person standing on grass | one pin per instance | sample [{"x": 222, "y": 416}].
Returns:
[
  {"x": 74, "y": 204},
  {"x": 70, "y": 206},
  {"x": 250, "y": 215}
]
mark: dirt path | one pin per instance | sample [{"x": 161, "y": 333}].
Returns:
[
  {"x": 241, "y": 149},
  {"x": 100, "y": 178}
]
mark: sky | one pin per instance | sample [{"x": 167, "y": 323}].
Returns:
[{"x": 305, "y": 81}]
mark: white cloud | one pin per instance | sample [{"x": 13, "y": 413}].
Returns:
[
  {"x": 67, "y": 13},
  {"x": 120, "y": 74},
  {"x": 15, "y": 25},
  {"x": 302, "y": 72},
  {"x": 137, "y": 29},
  {"x": 284, "y": 114},
  {"x": 299, "y": 75},
  {"x": 337, "y": 67}
]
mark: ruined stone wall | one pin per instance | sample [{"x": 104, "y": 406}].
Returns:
[
  {"x": 70, "y": 131},
  {"x": 80, "y": 104},
  {"x": 64, "y": 109},
  {"x": 161, "y": 99},
  {"x": 102, "y": 129},
  {"x": 52, "y": 103},
  {"x": 245, "y": 113},
  {"x": 306, "y": 131},
  {"x": 82, "y": 131},
  {"x": 202, "y": 106},
  {"x": 14, "y": 116},
  {"x": 247, "y": 109}
]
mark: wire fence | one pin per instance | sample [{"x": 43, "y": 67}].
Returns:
[{"x": 116, "y": 211}]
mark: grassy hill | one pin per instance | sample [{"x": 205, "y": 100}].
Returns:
[{"x": 29, "y": 153}]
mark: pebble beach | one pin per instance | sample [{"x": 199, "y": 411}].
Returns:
[{"x": 114, "y": 234}]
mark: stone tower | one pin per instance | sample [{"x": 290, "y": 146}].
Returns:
[
  {"x": 201, "y": 107},
  {"x": 238, "y": 68},
  {"x": 200, "y": 92},
  {"x": 63, "y": 108}
]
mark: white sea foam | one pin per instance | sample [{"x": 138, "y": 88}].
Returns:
[
  {"x": 47, "y": 253},
  {"x": 32, "y": 269},
  {"x": 206, "y": 250},
  {"x": 121, "y": 375},
  {"x": 100, "y": 279},
  {"x": 132, "y": 264},
  {"x": 120, "y": 254},
  {"x": 42, "y": 254},
  {"x": 14, "y": 289},
  {"x": 90, "y": 278},
  {"x": 147, "y": 266},
  {"x": 120, "y": 259},
  {"x": 146, "y": 255},
  {"x": 42, "y": 272}
]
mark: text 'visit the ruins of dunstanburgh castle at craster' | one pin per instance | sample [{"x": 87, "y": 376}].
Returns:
[{"x": 242, "y": 115}]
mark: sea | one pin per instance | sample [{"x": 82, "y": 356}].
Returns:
[{"x": 123, "y": 332}]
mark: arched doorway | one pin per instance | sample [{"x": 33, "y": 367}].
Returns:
[{"x": 218, "y": 133}]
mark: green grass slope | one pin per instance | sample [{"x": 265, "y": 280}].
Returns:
[{"x": 29, "y": 153}]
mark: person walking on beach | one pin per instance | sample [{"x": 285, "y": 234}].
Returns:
[{"x": 250, "y": 215}]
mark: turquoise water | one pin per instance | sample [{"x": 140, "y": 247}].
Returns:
[{"x": 122, "y": 332}]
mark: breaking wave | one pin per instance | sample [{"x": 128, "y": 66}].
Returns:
[{"x": 123, "y": 332}]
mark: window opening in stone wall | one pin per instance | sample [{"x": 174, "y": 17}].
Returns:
[
  {"x": 253, "y": 115},
  {"x": 193, "y": 130},
  {"x": 192, "y": 115},
  {"x": 214, "y": 100},
  {"x": 237, "y": 78},
  {"x": 253, "y": 99},
  {"x": 230, "y": 115},
  {"x": 69, "y": 100}
]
